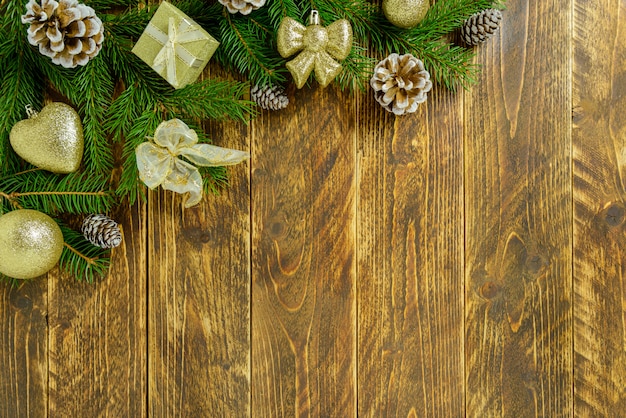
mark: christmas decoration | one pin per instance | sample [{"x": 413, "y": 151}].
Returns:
[
  {"x": 400, "y": 83},
  {"x": 31, "y": 244},
  {"x": 67, "y": 31},
  {"x": 175, "y": 46},
  {"x": 51, "y": 140},
  {"x": 405, "y": 13},
  {"x": 480, "y": 26},
  {"x": 320, "y": 47},
  {"x": 242, "y": 6},
  {"x": 101, "y": 231},
  {"x": 269, "y": 98},
  {"x": 158, "y": 163},
  {"x": 121, "y": 102}
]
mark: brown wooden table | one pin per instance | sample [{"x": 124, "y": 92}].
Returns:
[{"x": 464, "y": 261}]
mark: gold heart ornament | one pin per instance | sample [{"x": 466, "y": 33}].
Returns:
[{"x": 51, "y": 139}]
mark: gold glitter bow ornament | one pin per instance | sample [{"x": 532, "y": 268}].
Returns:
[
  {"x": 320, "y": 47},
  {"x": 158, "y": 162},
  {"x": 175, "y": 46}
]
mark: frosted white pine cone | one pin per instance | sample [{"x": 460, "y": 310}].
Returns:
[
  {"x": 269, "y": 98},
  {"x": 400, "y": 83},
  {"x": 101, "y": 231},
  {"x": 242, "y": 6},
  {"x": 67, "y": 31}
]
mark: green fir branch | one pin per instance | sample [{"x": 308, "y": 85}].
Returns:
[
  {"x": 110, "y": 4},
  {"x": 143, "y": 127},
  {"x": 97, "y": 85},
  {"x": 81, "y": 259},
  {"x": 357, "y": 68},
  {"x": 50, "y": 193},
  {"x": 214, "y": 179},
  {"x": 277, "y": 10},
  {"x": 130, "y": 23},
  {"x": 210, "y": 99},
  {"x": 246, "y": 50}
]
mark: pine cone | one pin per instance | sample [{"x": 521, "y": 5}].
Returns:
[
  {"x": 242, "y": 6},
  {"x": 101, "y": 231},
  {"x": 269, "y": 98},
  {"x": 67, "y": 31},
  {"x": 400, "y": 83},
  {"x": 480, "y": 26}
]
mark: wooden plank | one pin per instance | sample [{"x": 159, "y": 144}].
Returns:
[
  {"x": 303, "y": 312},
  {"x": 518, "y": 217},
  {"x": 24, "y": 353},
  {"x": 97, "y": 342},
  {"x": 410, "y": 246},
  {"x": 199, "y": 296},
  {"x": 599, "y": 139}
]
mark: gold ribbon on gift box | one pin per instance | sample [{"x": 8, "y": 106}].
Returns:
[{"x": 173, "y": 41}]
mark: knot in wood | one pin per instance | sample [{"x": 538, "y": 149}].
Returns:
[
  {"x": 614, "y": 215},
  {"x": 489, "y": 290}
]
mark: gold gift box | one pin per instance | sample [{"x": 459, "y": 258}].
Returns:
[{"x": 175, "y": 46}]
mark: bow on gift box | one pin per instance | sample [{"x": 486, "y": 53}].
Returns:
[
  {"x": 320, "y": 47},
  {"x": 158, "y": 163},
  {"x": 172, "y": 42}
]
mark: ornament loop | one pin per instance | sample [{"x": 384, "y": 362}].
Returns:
[
  {"x": 314, "y": 18},
  {"x": 30, "y": 112}
]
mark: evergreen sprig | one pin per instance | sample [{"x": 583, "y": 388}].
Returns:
[
  {"x": 74, "y": 193},
  {"x": 80, "y": 258}
]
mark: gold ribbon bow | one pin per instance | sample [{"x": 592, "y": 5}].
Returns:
[
  {"x": 320, "y": 47},
  {"x": 158, "y": 163},
  {"x": 172, "y": 42}
]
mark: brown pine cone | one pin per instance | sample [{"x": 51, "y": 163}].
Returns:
[
  {"x": 480, "y": 26},
  {"x": 242, "y": 6},
  {"x": 67, "y": 31},
  {"x": 269, "y": 98},
  {"x": 400, "y": 83}
]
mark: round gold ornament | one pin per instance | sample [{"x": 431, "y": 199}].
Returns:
[
  {"x": 51, "y": 139},
  {"x": 405, "y": 13},
  {"x": 30, "y": 244}
]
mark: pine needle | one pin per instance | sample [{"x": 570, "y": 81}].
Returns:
[{"x": 80, "y": 258}]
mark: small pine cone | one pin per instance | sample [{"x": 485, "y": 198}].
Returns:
[
  {"x": 400, "y": 83},
  {"x": 269, "y": 98},
  {"x": 101, "y": 231},
  {"x": 242, "y": 6},
  {"x": 67, "y": 31},
  {"x": 480, "y": 26}
]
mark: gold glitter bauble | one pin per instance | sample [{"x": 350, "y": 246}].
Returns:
[
  {"x": 51, "y": 139},
  {"x": 30, "y": 244},
  {"x": 405, "y": 13}
]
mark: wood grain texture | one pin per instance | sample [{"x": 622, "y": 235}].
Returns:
[
  {"x": 518, "y": 218},
  {"x": 599, "y": 158},
  {"x": 97, "y": 341},
  {"x": 199, "y": 296},
  {"x": 24, "y": 349},
  {"x": 410, "y": 270},
  {"x": 303, "y": 259}
]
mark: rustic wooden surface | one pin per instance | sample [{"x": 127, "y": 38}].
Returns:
[{"x": 467, "y": 260}]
